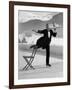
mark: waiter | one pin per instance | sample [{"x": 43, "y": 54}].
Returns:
[{"x": 44, "y": 41}]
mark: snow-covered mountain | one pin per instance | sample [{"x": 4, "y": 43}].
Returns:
[{"x": 38, "y": 24}]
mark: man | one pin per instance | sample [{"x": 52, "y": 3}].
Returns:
[{"x": 44, "y": 41}]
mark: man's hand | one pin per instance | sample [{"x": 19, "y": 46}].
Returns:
[{"x": 34, "y": 30}]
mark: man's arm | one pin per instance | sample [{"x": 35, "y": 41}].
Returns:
[
  {"x": 54, "y": 33},
  {"x": 39, "y": 31}
]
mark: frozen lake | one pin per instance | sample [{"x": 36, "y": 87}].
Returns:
[{"x": 39, "y": 63}]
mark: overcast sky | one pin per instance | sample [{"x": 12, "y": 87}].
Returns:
[{"x": 25, "y": 16}]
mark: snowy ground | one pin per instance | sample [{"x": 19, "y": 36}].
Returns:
[{"x": 40, "y": 71}]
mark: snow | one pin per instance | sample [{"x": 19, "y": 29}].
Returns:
[
  {"x": 40, "y": 71},
  {"x": 34, "y": 37}
]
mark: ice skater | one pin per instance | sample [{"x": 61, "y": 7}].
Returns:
[{"x": 44, "y": 41}]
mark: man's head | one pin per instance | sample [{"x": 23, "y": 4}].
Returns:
[{"x": 47, "y": 26}]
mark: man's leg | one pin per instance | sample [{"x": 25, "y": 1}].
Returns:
[{"x": 47, "y": 56}]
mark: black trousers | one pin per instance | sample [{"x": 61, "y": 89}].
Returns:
[{"x": 47, "y": 54}]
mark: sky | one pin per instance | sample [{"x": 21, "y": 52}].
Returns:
[{"x": 25, "y": 16}]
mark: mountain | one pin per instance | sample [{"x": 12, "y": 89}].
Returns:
[
  {"x": 30, "y": 25},
  {"x": 58, "y": 19},
  {"x": 39, "y": 25}
]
